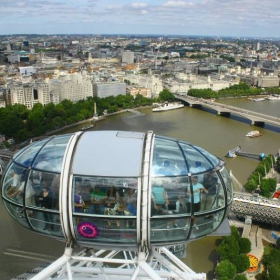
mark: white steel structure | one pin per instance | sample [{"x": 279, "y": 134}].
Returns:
[{"x": 70, "y": 185}]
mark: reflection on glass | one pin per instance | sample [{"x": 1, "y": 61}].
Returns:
[
  {"x": 27, "y": 155},
  {"x": 168, "y": 159},
  {"x": 228, "y": 183},
  {"x": 12, "y": 182}
]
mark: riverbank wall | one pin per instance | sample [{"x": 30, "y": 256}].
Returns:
[{"x": 92, "y": 120}]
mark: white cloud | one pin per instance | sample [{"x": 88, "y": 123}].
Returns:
[
  {"x": 177, "y": 3},
  {"x": 139, "y": 5},
  {"x": 159, "y": 16}
]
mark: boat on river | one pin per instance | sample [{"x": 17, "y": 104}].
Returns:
[
  {"x": 253, "y": 134},
  {"x": 168, "y": 106},
  {"x": 87, "y": 127},
  {"x": 273, "y": 97},
  {"x": 258, "y": 99}
]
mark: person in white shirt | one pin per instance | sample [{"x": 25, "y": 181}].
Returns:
[{"x": 15, "y": 183}]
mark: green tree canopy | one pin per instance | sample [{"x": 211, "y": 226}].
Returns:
[
  {"x": 229, "y": 248},
  {"x": 268, "y": 186},
  {"x": 166, "y": 95},
  {"x": 240, "y": 277},
  {"x": 226, "y": 269},
  {"x": 244, "y": 245},
  {"x": 242, "y": 263}
]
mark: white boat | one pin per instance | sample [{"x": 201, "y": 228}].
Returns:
[
  {"x": 253, "y": 133},
  {"x": 273, "y": 98},
  {"x": 168, "y": 106},
  {"x": 258, "y": 99}
]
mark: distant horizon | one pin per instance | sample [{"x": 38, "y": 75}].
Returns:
[
  {"x": 234, "y": 18},
  {"x": 140, "y": 35}
]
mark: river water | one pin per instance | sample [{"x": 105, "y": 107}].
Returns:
[{"x": 214, "y": 133}]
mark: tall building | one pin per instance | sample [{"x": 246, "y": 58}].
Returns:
[
  {"x": 150, "y": 81},
  {"x": 28, "y": 94},
  {"x": 258, "y": 46},
  {"x": 128, "y": 57},
  {"x": 74, "y": 87},
  {"x": 110, "y": 89}
]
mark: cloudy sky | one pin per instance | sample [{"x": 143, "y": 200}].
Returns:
[{"x": 254, "y": 18}]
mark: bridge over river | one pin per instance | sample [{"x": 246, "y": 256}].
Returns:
[
  {"x": 257, "y": 119},
  {"x": 259, "y": 208}
]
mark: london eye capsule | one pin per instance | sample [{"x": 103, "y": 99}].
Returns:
[{"x": 117, "y": 189}]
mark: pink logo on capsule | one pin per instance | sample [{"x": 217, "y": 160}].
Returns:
[{"x": 88, "y": 230}]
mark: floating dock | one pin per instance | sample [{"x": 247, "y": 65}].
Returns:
[{"x": 238, "y": 152}]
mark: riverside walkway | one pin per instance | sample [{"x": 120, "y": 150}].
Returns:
[{"x": 257, "y": 119}]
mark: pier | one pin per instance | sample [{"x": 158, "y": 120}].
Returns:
[{"x": 238, "y": 152}]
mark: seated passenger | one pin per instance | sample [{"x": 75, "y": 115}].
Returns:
[
  {"x": 112, "y": 205},
  {"x": 78, "y": 201},
  {"x": 86, "y": 190},
  {"x": 97, "y": 202},
  {"x": 130, "y": 202},
  {"x": 112, "y": 199}
]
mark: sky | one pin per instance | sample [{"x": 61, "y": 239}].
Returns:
[{"x": 241, "y": 18}]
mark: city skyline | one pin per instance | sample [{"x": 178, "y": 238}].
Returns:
[{"x": 240, "y": 18}]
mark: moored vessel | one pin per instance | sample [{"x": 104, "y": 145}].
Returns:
[
  {"x": 168, "y": 106},
  {"x": 86, "y": 127},
  {"x": 273, "y": 97},
  {"x": 253, "y": 133},
  {"x": 257, "y": 99}
]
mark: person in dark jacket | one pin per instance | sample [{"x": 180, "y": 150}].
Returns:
[{"x": 46, "y": 199}]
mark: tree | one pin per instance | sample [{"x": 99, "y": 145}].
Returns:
[
  {"x": 14, "y": 122},
  {"x": 240, "y": 277},
  {"x": 229, "y": 248},
  {"x": 242, "y": 263},
  {"x": 35, "y": 122},
  {"x": 271, "y": 261},
  {"x": 235, "y": 233},
  {"x": 244, "y": 245},
  {"x": 278, "y": 243},
  {"x": 251, "y": 185},
  {"x": 226, "y": 269},
  {"x": 277, "y": 164},
  {"x": 166, "y": 95},
  {"x": 268, "y": 186}
]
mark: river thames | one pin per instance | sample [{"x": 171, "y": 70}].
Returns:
[{"x": 22, "y": 250}]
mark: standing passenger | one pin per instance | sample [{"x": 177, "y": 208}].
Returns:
[
  {"x": 130, "y": 200},
  {"x": 197, "y": 188},
  {"x": 46, "y": 201},
  {"x": 15, "y": 183},
  {"x": 210, "y": 184}
]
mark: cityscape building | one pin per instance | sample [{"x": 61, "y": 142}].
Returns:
[
  {"x": 101, "y": 62},
  {"x": 128, "y": 57},
  {"x": 28, "y": 94},
  {"x": 105, "y": 89}
]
